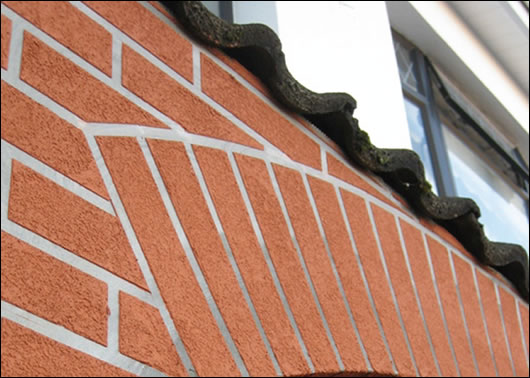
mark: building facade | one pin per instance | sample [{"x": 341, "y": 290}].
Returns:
[{"x": 167, "y": 211}]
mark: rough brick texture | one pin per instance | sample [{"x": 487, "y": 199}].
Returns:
[
  {"x": 28, "y": 354},
  {"x": 235, "y": 238},
  {"x": 70, "y": 27}
]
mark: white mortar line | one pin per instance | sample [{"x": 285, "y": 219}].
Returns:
[
  {"x": 522, "y": 332},
  {"x": 188, "y": 250},
  {"x": 499, "y": 304},
  {"x": 138, "y": 253},
  {"x": 335, "y": 273},
  {"x": 462, "y": 311},
  {"x": 77, "y": 342},
  {"x": 230, "y": 255},
  {"x": 475, "y": 282},
  {"x": 324, "y": 160},
  {"x": 113, "y": 321},
  {"x": 196, "y": 68},
  {"x": 301, "y": 259},
  {"x": 389, "y": 282},
  {"x": 436, "y": 291},
  {"x": 11, "y": 152},
  {"x": 363, "y": 276},
  {"x": 414, "y": 288},
  {"x": 116, "y": 61},
  {"x": 15, "y": 43},
  {"x": 268, "y": 260}
]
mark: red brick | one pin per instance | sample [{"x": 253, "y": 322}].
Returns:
[
  {"x": 39, "y": 132},
  {"x": 523, "y": 310},
  {"x": 472, "y": 312},
  {"x": 149, "y": 31},
  {"x": 178, "y": 103},
  {"x": 451, "y": 306},
  {"x": 284, "y": 258},
  {"x": 319, "y": 267},
  {"x": 513, "y": 331},
  {"x": 338, "y": 169},
  {"x": 419, "y": 266},
  {"x": 494, "y": 324},
  {"x": 400, "y": 278},
  {"x": 144, "y": 337},
  {"x": 166, "y": 258},
  {"x": 70, "y": 27},
  {"x": 308, "y": 126},
  {"x": 446, "y": 236},
  {"x": 76, "y": 225},
  {"x": 75, "y": 89},
  {"x": 53, "y": 290},
  {"x": 6, "y": 40},
  {"x": 192, "y": 210},
  {"x": 249, "y": 258},
  {"x": 161, "y": 8},
  {"x": 350, "y": 276},
  {"x": 249, "y": 108},
  {"x": 368, "y": 251},
  {"x": 29, "y": 354}
]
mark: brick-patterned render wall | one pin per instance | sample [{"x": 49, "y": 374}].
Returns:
[{"x": 162, "y": 215}]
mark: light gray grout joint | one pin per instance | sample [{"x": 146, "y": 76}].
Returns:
[
  {"x": 113, "y": 325},
  {"x": 499, "y": 304},
  {"x": 116, "y": 60},
  {"x": 389, "y": 281},
  {"x": 363, "y": 276}
]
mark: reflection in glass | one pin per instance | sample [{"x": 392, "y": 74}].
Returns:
[
  {"x": 405, "y": 65},
  {"x": 503, "y": 211},
  {"x": 419, "y": 141}
]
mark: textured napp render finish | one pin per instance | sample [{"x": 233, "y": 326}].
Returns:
[
  {"x": 258, "y": 48},
  {"x": 39, "y": 132},
  {"x": 6, "y": 39},
  {"x": 29, "y": 354},
  {"x": 47, "y": 287},
  {"x": 76, "y": 225}
]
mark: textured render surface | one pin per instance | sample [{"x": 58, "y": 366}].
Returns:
[
  {"x": 319, "y": 267},
  {"x": 75, "y": 89},
  {"x": 71, "y": 222},
  {"x": 150, "y": 32},
  {"x": 49, "y": 288},
  {"x": 513, "y": 332},
  {"x": 183, "y": 189},
  {"x": 202, "y": 324},
  {"x": 395, "y": 261},
  {"x": 472, "y": 312},
  {"x": 451, "y": 308},
  {"x": 26, "y": 353},
  {"x": 350, "y": 276},
  {"x": 70, "y": 27},
  {"x": 40, "y": 133},
  {"x": 172, "y": 99},
  {"x": 228, "y": 92},
  {"x": 247, "y": 253},
  {"x": 166, "y": 258},
  {"x": 419, "y": 266},
  {"x": 268, "y": 212},
  {"x": 373, "y": 268},
  {"x": 144, "y": 337},
  {"x": 6, "y": 39}
]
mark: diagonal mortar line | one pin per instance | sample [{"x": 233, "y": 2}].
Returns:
[
  {"x": 484, "y": 323},
  {"x": 228, "y": 250},
  {"x": 437, "y": 293},
  {"x": 113, "y": 321},
  {"x": 335, "y": 273},
  {"x": 462, "y": 312},
  {"x": 138, "y": 252},
  {"x": 363, "y": 276},
  {"x": 268, "y": 260},
  {"x": 75, "y": 341},
  {"x": 201, "y": 280},
  {"x": 497, "y": 295},
  {"x": 301, "y": 259},
  {"x": 418, "y": 301},
  {"x": 9, "y": 151},
  {"x": 389, "y": 281}
]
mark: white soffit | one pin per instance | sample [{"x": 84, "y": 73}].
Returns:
[{"x": 437, "y": 30}]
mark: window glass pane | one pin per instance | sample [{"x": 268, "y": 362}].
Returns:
[
  {"x": 419, "y": 141},
  {"x": 504, "y": 213},
  {"x": 406, "y": 65}
]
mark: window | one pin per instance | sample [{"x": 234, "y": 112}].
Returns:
[{"x": 462, "y": 152}]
